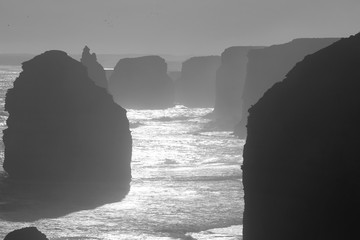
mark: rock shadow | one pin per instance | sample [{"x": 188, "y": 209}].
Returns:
[{"x": 29, "y": 202}]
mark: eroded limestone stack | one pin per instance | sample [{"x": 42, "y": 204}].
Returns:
[
  {"x": 230, "y": 79},
  {"x": 62, "y": 127},
  {"x": 142, "y": 83},
  {"x": 95, "y": 70},
  {"x": 196, "y": 87}
]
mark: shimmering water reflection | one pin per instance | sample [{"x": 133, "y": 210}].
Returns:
[{"x": 186, "y": 183}]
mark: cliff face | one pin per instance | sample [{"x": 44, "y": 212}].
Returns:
[
  {"x": 142, "y": 83},
  {"x": 301, "y": 167},
  {"x": 269, "y": 65},
  {"x": 230, "y": 78},
  {"x": 62, "y": 127},
  {"x": 95, "y": 70},
  {"x": 196, "y": 87}
]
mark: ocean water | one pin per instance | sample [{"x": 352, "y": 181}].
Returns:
[{"x": 186, "y": 182}]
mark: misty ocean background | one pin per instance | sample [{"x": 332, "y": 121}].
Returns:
[{"x": 186, "y": 182}]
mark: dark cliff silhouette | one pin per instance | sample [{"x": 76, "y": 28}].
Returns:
[
  {"x": 27, "y": 233},
  {"x": 301, "y": 167},
  {"x": 65, "y": 135},
  {"x": 142, "y": 83},
  {"x": 95, "y": 71},
  {"x": 196, "y": 87},
  {"x": 269, "y": 65},
  {"x": 61, "y": 127},
  {"x": 31, "y": 201},
  {"x": 230, "y": 78}
]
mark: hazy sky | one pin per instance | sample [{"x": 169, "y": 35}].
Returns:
[{"x": 168, "y": 26}]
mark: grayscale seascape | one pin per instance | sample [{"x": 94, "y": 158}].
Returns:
[{"x": 185, "y": 182}]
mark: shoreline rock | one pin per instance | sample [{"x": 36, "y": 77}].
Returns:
[
  {"x": 95, "y": 70},
  {"x": 62, "y": 127},
  {"x": 301, "y": 168},
  {"x": 196, "y": 86},
  {"x": 268, "y": 65},
  {"x": 142, "y": 83},
  {"x": 27, "y": 233},
  {"x": 230, "y": 79}
]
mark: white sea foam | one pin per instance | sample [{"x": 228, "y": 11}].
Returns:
[{"x": 185, "y": 185}]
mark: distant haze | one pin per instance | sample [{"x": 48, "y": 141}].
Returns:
[{"x": 178, "y": 27}]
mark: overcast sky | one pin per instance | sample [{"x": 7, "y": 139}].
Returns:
[{"x": 177, "y": 27}]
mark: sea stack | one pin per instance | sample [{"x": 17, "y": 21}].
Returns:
[
  {"x": 269, "y": 65},
  {"x": 301, "y": 170},
  {"x": 95, "y": 71},
  {"x": 196, "y": 87},
  {"x": 27, "y": 233},
  {"x": 62, "y": 127},
  {"x": 142, "y": 83},
  {"x": 230, "y": 79}
]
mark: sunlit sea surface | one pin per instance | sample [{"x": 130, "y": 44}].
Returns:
[{"x": 186, "y": 182}]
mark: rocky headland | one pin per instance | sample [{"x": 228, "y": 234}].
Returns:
[
  {"x": 196, "y": 86},
  {"x": 62, "y": 128},
  {"x": 301, "y": 168},
  {"x": 142, "y": 83},
  {"x": 269, "y": 65},
  {"x": 230, "y": 79}
]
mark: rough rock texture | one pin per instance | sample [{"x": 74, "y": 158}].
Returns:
[
  {"x": 62, "y": 127},
  {"x": 230, "y": 78},
  {"x": 196, "y": 87},
  {"x": 95, "y": 70},
  {"x": 142, "y": 83},
  {"x": 27, "y": 233},
  {"x": 269, "y": 65},
  {"x": 301, "y": 170}
]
